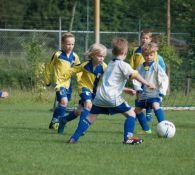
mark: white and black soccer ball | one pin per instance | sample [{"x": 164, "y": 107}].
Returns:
[{"x": 166, "y": 129}]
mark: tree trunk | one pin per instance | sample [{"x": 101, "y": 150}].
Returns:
[{"x": 72, "y": 15}]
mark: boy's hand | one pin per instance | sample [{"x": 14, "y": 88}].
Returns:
[
  {"x": 151, "y": 86},
  {"x": 129, "y": 91}
]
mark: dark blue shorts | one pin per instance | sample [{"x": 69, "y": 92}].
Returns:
[
  {"x": 146, "y": 103},
  {"x": 63, "y": 92},
  {"x": 124, "y": 107},
  {"x": 86, "y": 95}
]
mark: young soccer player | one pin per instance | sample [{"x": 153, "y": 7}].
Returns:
[
  {"x": 4, "y": 94},
  {"x": 137, "y": 59},
  {"x": 92, "y": 71},
  {"x": 108, "y": 99},
  {"x": 60, "y": 62},
  {"x": 150, "y": 98}
]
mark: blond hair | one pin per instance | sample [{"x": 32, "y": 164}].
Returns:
[
  {"x": 96, "y": 49},
  {"x": 119, "y": 45},
  {"x": 148, "y": 48},
  {"x": 67, "y": 35}
]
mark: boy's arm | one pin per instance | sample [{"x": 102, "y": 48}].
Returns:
[
  {"x": 139, "y": 78},
  {"x": 72, "y": 71},
  {"x": 48, "y": 70},
  {"x": 129, "y": 91}
]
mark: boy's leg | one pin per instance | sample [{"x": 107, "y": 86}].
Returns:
[
  {"x": 158, "y": 112},
  {"x": 60, "y": 109},
  {"x": 129, "y": 124},
  {"x": 82, "y": 127},
  {"x": 149, "y": 114},
  {"x": 142, "y": 120},
  {"x": 129, "y": 127},
  {"x": 67, "y": 118},
  {"x": 58, "y": 112}
]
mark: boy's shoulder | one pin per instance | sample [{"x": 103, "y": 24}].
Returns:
[
  {"x": 138, "y": 50},
  {"x": 75, "y": 55}
]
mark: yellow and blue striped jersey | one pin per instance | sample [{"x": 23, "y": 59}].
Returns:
[
  {"x": 56, "y": 68},
  {"x": 138, "y": 59},
  {"x": 90, "y": 75}
]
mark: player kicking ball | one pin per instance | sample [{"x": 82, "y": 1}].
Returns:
[{"x": 108, "y": 99}]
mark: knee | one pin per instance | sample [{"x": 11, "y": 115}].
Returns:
[
  {"x": 156, "y": 106},
  {"x": 63, "y": 102},
  {"x": 132, "y": 113},
  {"x": 88, "y": 105},
  {"x": 77, "y": 112},
  {"x": 138, "y": 110}
]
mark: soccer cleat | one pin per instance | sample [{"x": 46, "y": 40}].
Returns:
[
  {"x": 133, "y": 140},
  {"x": 72, "y": 141},
  {"x": 148, "y": 132},
  {"x": 62, "y": 123},
  {"x": 149, "y": 117},
  {"x": 54, "y": 124}
]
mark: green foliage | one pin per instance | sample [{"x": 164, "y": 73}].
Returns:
[
  {"x": 35, "y": 58},
  {"x": 173, "y": 62}
]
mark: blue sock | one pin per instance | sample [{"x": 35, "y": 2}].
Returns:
[
  {"x": 143, "y": 121},
  {"x": 149, "y": 112},
  {"x": 71, "y": 116},
  {"x": 81, "y": 128},
  {"x": 85, "y": 112},
  {"x": 159, "y": 114},
  {"x": 59, "y": 112},
  {"x": 129, "y": 127}
]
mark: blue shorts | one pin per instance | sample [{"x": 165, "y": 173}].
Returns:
[
  {"x": 63, "y": 92},
  {"x": 124, "y": 107},
  {"x": 146, "y": 103},
  {"x": 86, "y": 95}
]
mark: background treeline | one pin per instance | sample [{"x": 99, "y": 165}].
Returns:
[{"x": 116, "y": 16}]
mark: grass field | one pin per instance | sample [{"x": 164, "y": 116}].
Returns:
[{"x": 29, "y": 148}]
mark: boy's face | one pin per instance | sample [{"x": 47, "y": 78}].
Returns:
[
  {"x": 145, "y": 39},
  {"x": 149, "y": 56},
  {"x": 98, "y": 59},
  {"x": 68, "y": 44}
]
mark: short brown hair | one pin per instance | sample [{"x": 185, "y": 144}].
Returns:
[
  {"x": 66, "y": 35},
  {"x": 119, "y": 45},
  {"x": 146, "y": 32}
]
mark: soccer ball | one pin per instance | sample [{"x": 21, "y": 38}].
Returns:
[{"x": 166, "y": 129}]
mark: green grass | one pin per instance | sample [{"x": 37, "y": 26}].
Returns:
[{"x": 27, "y": 147}]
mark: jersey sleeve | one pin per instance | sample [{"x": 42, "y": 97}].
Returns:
[
  {"x": 163, "y": 81},
  {"x": 136, "y": 84},
  {"x": 77, "y": 60},
  {"x": 49, "y": 70},
  {"x": 77, "y": 69},
  {"x": 104, "y": 65},
  {"x": 127, "y": 70}
]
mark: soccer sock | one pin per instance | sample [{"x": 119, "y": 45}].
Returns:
[
  {"x": 129, "y": 127},
  {"x": 81, "y": 128},
  {"x": 143, "y": 121},
  {"x": 159, "y": 114},
  {"x": 85, "y": 112},
  {"x": 59, "y": 111},
  {"x": 71, "y": 116},
  {"x": 149, "y": 112}
]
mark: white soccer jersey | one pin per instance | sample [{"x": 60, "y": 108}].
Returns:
[
  {"x": 114, "y": 79},
  {"x": 155, "y": 75}
]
